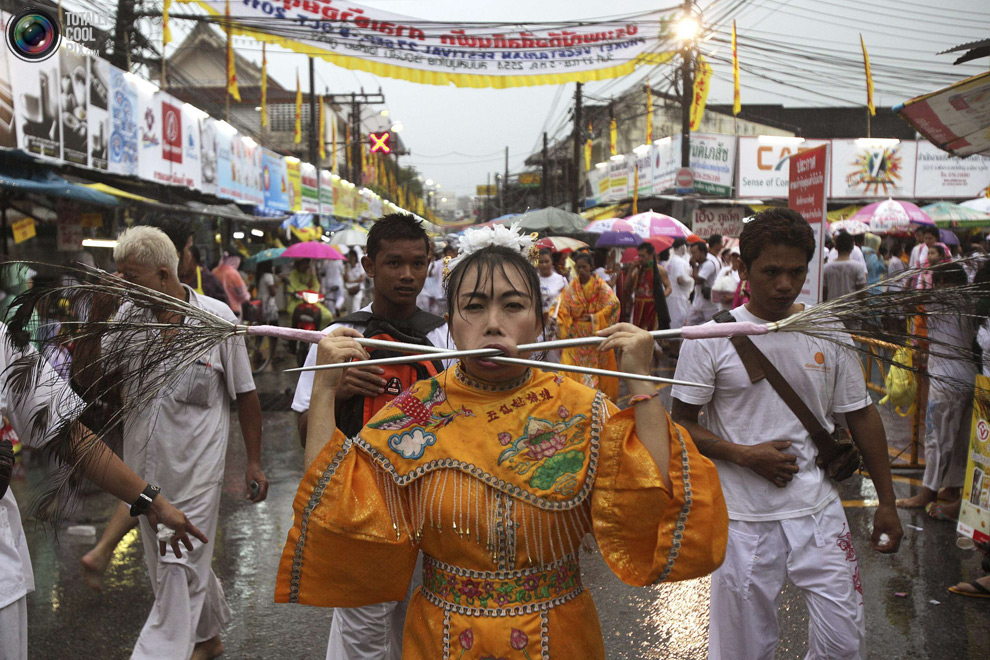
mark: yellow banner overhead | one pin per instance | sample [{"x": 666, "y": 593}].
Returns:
[
  {"x": 702, "y": 82},
  {"x": 505, "y": 54}
]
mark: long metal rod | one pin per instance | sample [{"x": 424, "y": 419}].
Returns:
[
  {"x": 688, "y": 332},
  {"x": 449, "y": 355}
]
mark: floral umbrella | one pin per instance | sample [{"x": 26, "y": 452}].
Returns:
[
  {"x": 651, "y": 224},
  {"x": 854, "y": 227},
  {"x": 892, "y": 215}
]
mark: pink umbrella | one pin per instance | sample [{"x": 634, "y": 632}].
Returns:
[
  {"x": 610, "y": 224},
  {"x": 313, "y": 250},
  {"x": 892, "y": 215},
  {"x": 651, "y": 224}
]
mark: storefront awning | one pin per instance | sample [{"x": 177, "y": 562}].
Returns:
[{"x": 52, "y": 185}]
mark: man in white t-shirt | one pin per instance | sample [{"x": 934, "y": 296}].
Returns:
[
  {"x": 785, "y": 516},
  {"x": 704, "y": 270},
  {"x": 398, "y": 258}
]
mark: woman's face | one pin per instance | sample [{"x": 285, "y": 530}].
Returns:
[
  {"x": 583, "y": 268},
  {"x": 546, "y": 265},
  {"x": 495, "y": 312}
]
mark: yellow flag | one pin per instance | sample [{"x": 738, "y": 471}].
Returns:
[
  {"x": 587, "y": 150},
  {"x": 869, "y": 77},
  {"x": 649, "y": 113},
  {"x": 322, "y": 132},
  {"x": 635, "y": 203},
  {"x": 611, "y": 137},
  {"x": 231, "y": 67},
  {"x": 297, "y": 136},
  {"x": 264, "y": 86},
  {"x": 166, "y": 33},
  {"x": 736, "y": 100},
  {"x": 333, "y": 145},
  {"x": 702, "y": 81}
]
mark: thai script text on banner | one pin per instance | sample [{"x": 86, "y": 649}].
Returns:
[{"x": 386, "y": 44}]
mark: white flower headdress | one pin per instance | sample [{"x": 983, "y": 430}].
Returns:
[{"x": 477, "y": 238}]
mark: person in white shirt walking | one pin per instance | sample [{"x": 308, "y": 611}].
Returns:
[
  {"x": 178, "y": 439},
  {"x": 54, "y": 400},
  {"x": 785, "y": 517},
  {"x": 681, "y": 282},
  {"x": 704, "y": 270}
]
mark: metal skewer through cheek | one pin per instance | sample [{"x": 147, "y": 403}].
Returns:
[{"x": 441, "y": 354}]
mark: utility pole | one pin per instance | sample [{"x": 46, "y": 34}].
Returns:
[
  {"x": 687, "y": 92},
  {"x": 544, "y": 178},
  {"x": 314, "y": 150},
  {"x": 576, "y": 171},
  {"x": 505, "y": 179},
  {"x": 123, "y": 27},
  {"x": 355, "y": 145},
  {"x": 353, "y": 148},
  {"x": 488, "y": 196}
]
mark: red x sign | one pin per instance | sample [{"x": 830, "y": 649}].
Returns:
[{"x": 379, "y": 142}]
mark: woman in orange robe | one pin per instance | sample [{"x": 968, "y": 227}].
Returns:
[
  {"x": 588, "y": 305},
  {"x": 495, "y": 473}
]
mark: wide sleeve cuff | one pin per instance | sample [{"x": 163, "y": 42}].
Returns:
[
  {"x": 646, "y": 533},
  {"x": 347, "y": 546}
]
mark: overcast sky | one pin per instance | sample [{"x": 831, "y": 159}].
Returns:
[{"x": 457, "y": 135}]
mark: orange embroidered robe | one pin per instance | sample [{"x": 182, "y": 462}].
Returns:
[{"x": 497, "y": 487}]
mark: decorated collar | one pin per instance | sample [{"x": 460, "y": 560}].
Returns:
[
  {"x": 538, "y": 444},
  {"x": 473, "y": 383}
]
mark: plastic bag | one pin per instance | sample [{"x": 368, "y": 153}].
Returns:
[{"x": 902, "y": 387}]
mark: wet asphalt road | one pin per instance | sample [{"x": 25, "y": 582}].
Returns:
[{"x": 68, "y": 620}]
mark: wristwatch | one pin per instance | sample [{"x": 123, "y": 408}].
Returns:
[{"x": 144, "y": 500}]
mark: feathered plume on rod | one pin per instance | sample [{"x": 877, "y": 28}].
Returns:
[{"x": 123, "y": 335}]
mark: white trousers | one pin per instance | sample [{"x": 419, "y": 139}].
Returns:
[
  {"x": 947, "y": 426},
  {"x": 372, "y": 632},
  {"x": 816, "y": 553},
  {"x": 677, "y": 307},
  {"x": 189, "y": 602},
  {"x": 14, "y": 630},
  {"x": 703, "y": 313}
]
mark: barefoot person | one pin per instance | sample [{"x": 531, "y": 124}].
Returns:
[
  {"x": 785, "y": 516},
  {"x": 102, "y": 467},
  {"x": 496, "y": 472},
  {"x": 179, "y": 440},
  {"x": 950, "y": 408}
]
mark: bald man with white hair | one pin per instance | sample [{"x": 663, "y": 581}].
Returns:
[{"x": 178, "y": 440}]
